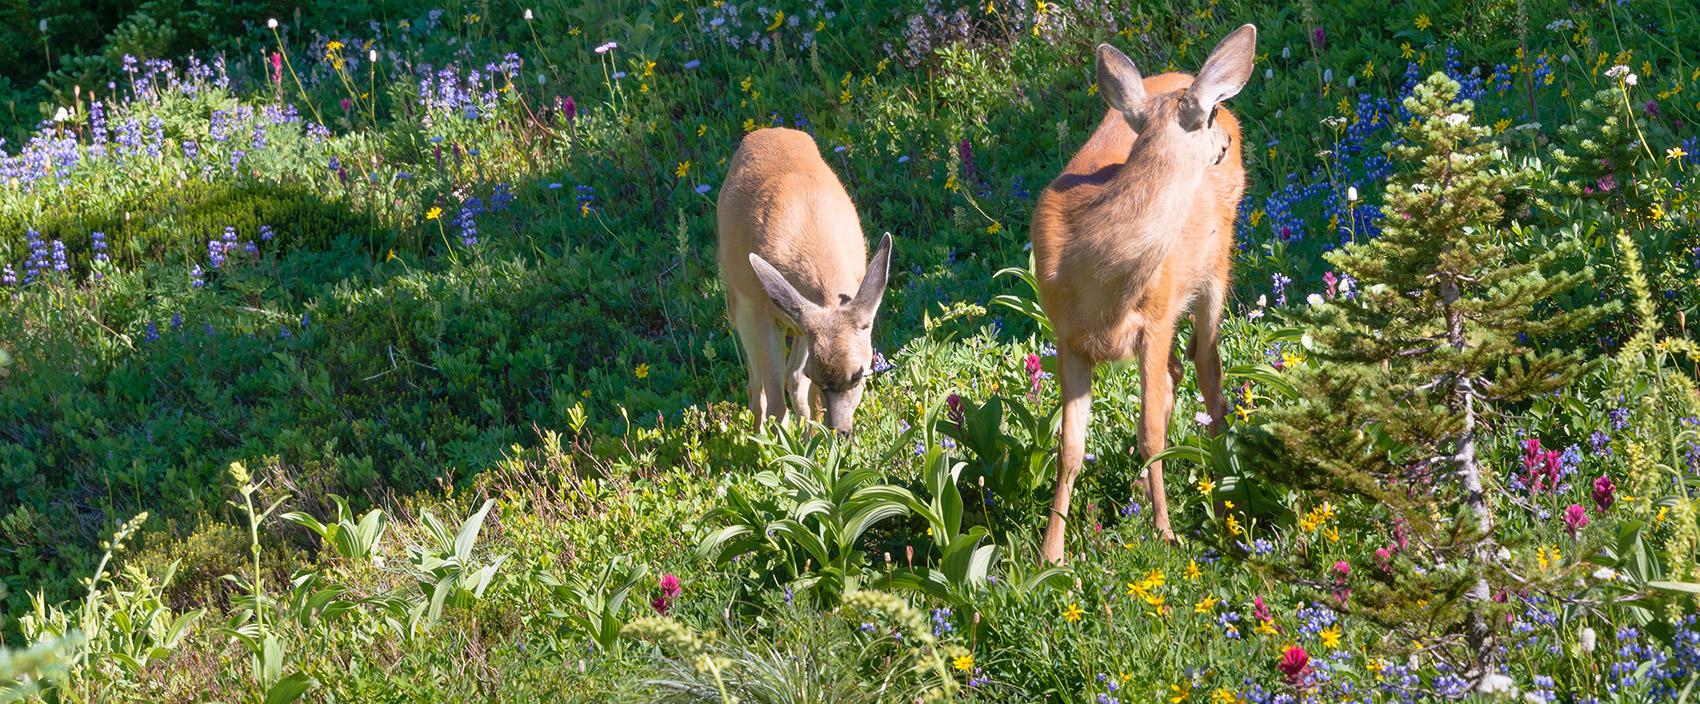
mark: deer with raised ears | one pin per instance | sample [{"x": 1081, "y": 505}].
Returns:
[
  {"x": 792, "y": 256},
  {"x": 1137, "y": 231}
]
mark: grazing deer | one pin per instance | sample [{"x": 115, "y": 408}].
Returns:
[
  {"x": 1137, "y": 230},
  {"x": 791, "y": 253}
]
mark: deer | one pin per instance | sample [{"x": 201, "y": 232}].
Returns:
[
  {"x": 792, "y": 258},
  {"x": 1137, "y": 230}
]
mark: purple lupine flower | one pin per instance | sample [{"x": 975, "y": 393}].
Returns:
[{"x": 265, "y": 233}]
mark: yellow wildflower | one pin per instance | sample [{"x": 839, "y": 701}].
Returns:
[
  {"x": 1139, "y": 590},
  {"x": 1154, "y": 578},
  {"x": 1675, "y": 153},
  {"x": 1204, "y": 607},
  {"x": 1192, "y": 571},
  {"x": 964, "y": 663},
  {"x": 1223, "y": 695},
  {"x": 1044, "y": 7},
  {"x": 648, "y": 69},
  {"x": 1072, "y": 613},
  {"x": 683, "y": 168},
  {"x": 1179, "y": 693},
  {"x": 1156, "y": 602},
  {"x": 1661, "y": 517},
  {"x": 1234, "y": 526},
  {"x": 1405, "y": 51},
  {"x": 1423, "y": 22},
  {"x": 1205, "y": 485},
  {"x": 585, "y": 393},
  {"x": 433, "y": 213},
  {"x": 1499, "y": 127},
  {"x": 1330, "y": 636},
  {"x": 994, "y": 228},
  {"x": 749, "y": 125},
  {"x": 778, "y": 19},
  {"x": 642, "y": 371},
  {"x": 1264, "y": 628}
]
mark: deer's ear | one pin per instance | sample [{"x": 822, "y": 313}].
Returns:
[
  {"x": 868, "y": 297},
  {"x": 1227, "y": 69},
  {"x": 1119, "y": 80},
  {"x": 783, "y": 294}
]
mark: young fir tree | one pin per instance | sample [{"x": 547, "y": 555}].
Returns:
[{"x": 1395, "y": 411}]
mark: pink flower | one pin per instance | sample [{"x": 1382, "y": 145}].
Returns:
[
  {"x": 1035, "y": 372},
  {"x": 1332, "y": 282},
  {"x": 1605, "y": 494},
  {"x": 661, "y": 605},
  {"x": 1607, "y": 182},
  {"x": 1382, "y": 555},
  {"x": 954, "y": 402},
  {"x": 347, "y": 104},
  {"x": 670, "y": 586},
  {"x": 1575, "y": 518},
  {"x": 1342, "y": 569},
  {"x": 1294, "y": 663},
  {"x": 1259, "y": 610},
  {"x": 277, "y": 68}
]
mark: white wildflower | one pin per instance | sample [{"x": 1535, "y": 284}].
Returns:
[
  {"x": 1589, "y": 640},
  {"x": 271, "y": 23},
  {"x": 1496, "y": 683}
]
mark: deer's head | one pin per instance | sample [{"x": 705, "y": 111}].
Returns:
[
  {"x": 1183, "y": 122},
  {"x": 839, "y": 334}
]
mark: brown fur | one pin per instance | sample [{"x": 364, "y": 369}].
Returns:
[
  {"x": 1137, "y": 230},
  {"x": 792, "y": 256}
]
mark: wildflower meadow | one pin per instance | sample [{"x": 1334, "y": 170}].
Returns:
[{"x": 379, "y": 352}]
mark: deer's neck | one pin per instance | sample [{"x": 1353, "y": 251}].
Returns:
[{"x": 1153, "y": 193}]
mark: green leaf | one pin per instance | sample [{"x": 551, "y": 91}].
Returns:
[{"x": 289, "y": 688}]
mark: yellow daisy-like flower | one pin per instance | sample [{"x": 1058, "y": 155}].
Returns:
[
  {"x": 778, "y": 19},
  {"x": 1675, "y": 153},
  {"x": 1265, "y": 628},
  {"x": 683, "y": 168},
  {"x": 1330, "y": 636},
  {"x": 642, "y": 371},
  {"x": 1405, "y": 51},
  {"x": 1205, "y": 485},
  {"x": 1073, "y": 613},
  {"x": 1179, "y": 693},
  {"x": 1155, "y": 601},
  {"x": 1138, "y": 590},
  {"x": 1423, "y": 22},
  {"x": 1234, "y": 526},
  {"x": 1154, "y": 578},
  {"x": 1192, "y": 571},
  {"x": 994, "y": 228},
  {"x": 585, "y": 393},
  {"x": 1223, "y": 695},
  {"x": 749, "y": 125},
  {"x": 1205, "y": 606},
  {"x": 433, "y": 213},
  {"x": 964, "y": 663}
]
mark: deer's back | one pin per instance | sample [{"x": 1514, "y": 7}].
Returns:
[{"x": 781, "y": 201}]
